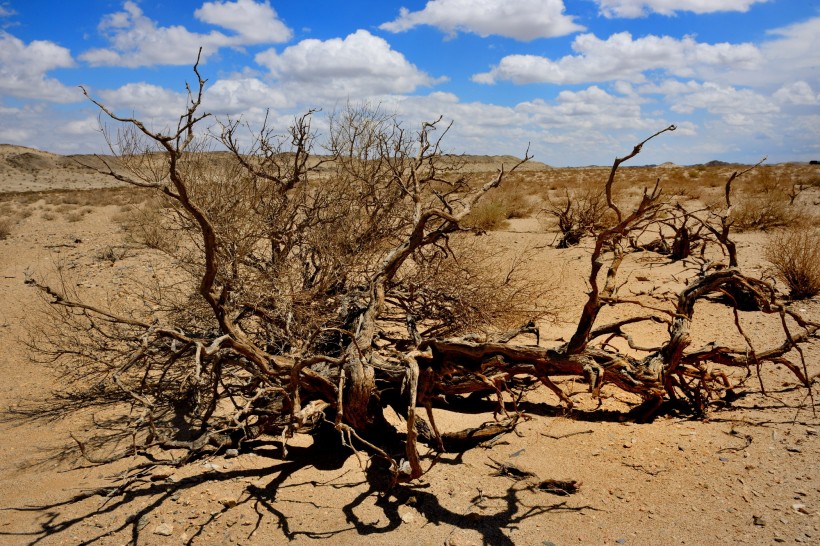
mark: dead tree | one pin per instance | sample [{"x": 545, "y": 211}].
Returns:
[{"x": 307, "y": 290}]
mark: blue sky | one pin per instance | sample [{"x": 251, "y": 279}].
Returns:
[{"x": 579, "y": 80}]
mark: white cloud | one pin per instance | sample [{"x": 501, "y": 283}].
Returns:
[
  {"x": 23, "y": 70},
  {"x": 357, "y": 66},
  {"x": 798, "y": 92},
  {"x": 137, "y": 40},
  {"x": 620, "y": 57},
  {"x": 255, "y": 23},
  {"x": 236, "y": 96},
  {"x": 789, "y": 56},
  {"x": 152, "y": 103},
  {"x": 522, "y": 19},
  {"x": 640, "y": 8},
  {"x": 734, "y": 106}
]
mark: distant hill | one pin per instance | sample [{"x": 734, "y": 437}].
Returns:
[{"x": 29, "y": 169}]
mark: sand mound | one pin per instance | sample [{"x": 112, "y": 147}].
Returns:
[{"x": 30, "y": 161}]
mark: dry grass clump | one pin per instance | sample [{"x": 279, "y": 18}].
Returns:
[
  {"x": 795, "y": 257},
  {"x": 145, "y": 224},
  {"x": 514, "y": 200},
  {"x": 5, "y": 228},
  {"x": 488, "y": 216}
]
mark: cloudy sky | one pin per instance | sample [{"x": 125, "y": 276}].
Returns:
[{"x": 580, "y": 80}]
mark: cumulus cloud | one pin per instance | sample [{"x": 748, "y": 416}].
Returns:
[
  {"x": 239, "y": 95},
  {"x": 735, "y": 106},
  {"x": 136, "y": 40},
  {"x": 620, "y": 57},
  {"x": 789, "y": 55},
  {"x": 146, "y": 100},
  {"x": 640, "y": 8},
  {"x": 359, "y": 65},
  {"x": 24, "y": 68},
  {"x": 799, "y": 93},
  {"x": 255, "y": 23},
  {"x": 522, "y": 20}
]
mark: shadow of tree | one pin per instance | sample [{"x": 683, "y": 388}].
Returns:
[
  {"x": 140, "y": 490},
  {"x": 490, "y": 525}
]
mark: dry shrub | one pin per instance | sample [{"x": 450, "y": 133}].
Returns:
[
  {"x": 488, "y": 216},
  {"x": 795, "y": 257},
  {"x": 516, "y": 202},
  {"x": 579, "y": 213},
  {"x": 761, "y": 212},
  {"x": 5, "y": 228},
  {"x": 146, "y": 224}
]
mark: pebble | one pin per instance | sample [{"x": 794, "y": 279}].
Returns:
[
  {"x": 408, "y": 517},
  {"x": 164, "y": 529},
  {"x": 620, "y": 541},
  {"x": 230, "y": 453},
  {"x": 759, "y": 521},
  {"x": 227, "y": 502}
]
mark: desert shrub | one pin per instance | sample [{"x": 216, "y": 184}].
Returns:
[
  {"x": 795, "y": 257},
  {"x": 516, "y": 203},
  {"x": 488, "y": 216},
  {"x": 146, "y": 224},
  {"x": 110, "y": 253},
  {"x": 761, "y": 212},
  {"x": 581, "y": 212},
  {"x": 5, "y": 228}
]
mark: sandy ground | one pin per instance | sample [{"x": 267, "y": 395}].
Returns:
[{"x": 748, "y": 474}]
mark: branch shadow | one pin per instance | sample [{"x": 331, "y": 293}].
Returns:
[
  {"x": 490, "y": 526},
  {"x": 141, "y": 490}
]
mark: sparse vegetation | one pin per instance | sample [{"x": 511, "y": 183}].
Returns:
[
  {"x": 5, "y": 228},
  {"x": 308, "y": 294},
  {"x": 795, "y": 257}
]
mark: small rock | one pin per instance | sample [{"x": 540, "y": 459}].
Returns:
[
  {"x": 779, "y": 539},
  {"x": 210, "y": 466},
  {"x": 800, "y": 507},
  {"x": 811, "y": 432},
  {"x": 408, "y": 517},
  {"x": 548, "y": 543},
  {"x": 620, "y": 541},
  {"x": 227, "y": 502},
  {"x": 231, "y": 453},
  {"x": 164, "y": 529},
  {"x": 794, "y": 449},
  {"x": 759, "y": 521},
  {"x": 723, "y": 459}
]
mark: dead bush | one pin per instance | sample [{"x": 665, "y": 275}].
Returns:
[
  {"x": 761, "y": 212},
  {"x": 5, "y": 228},
  {"x": 795, "y": 257},
  {"x": 488, "y": 216},
  {"x": 580, "y": 212}
]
